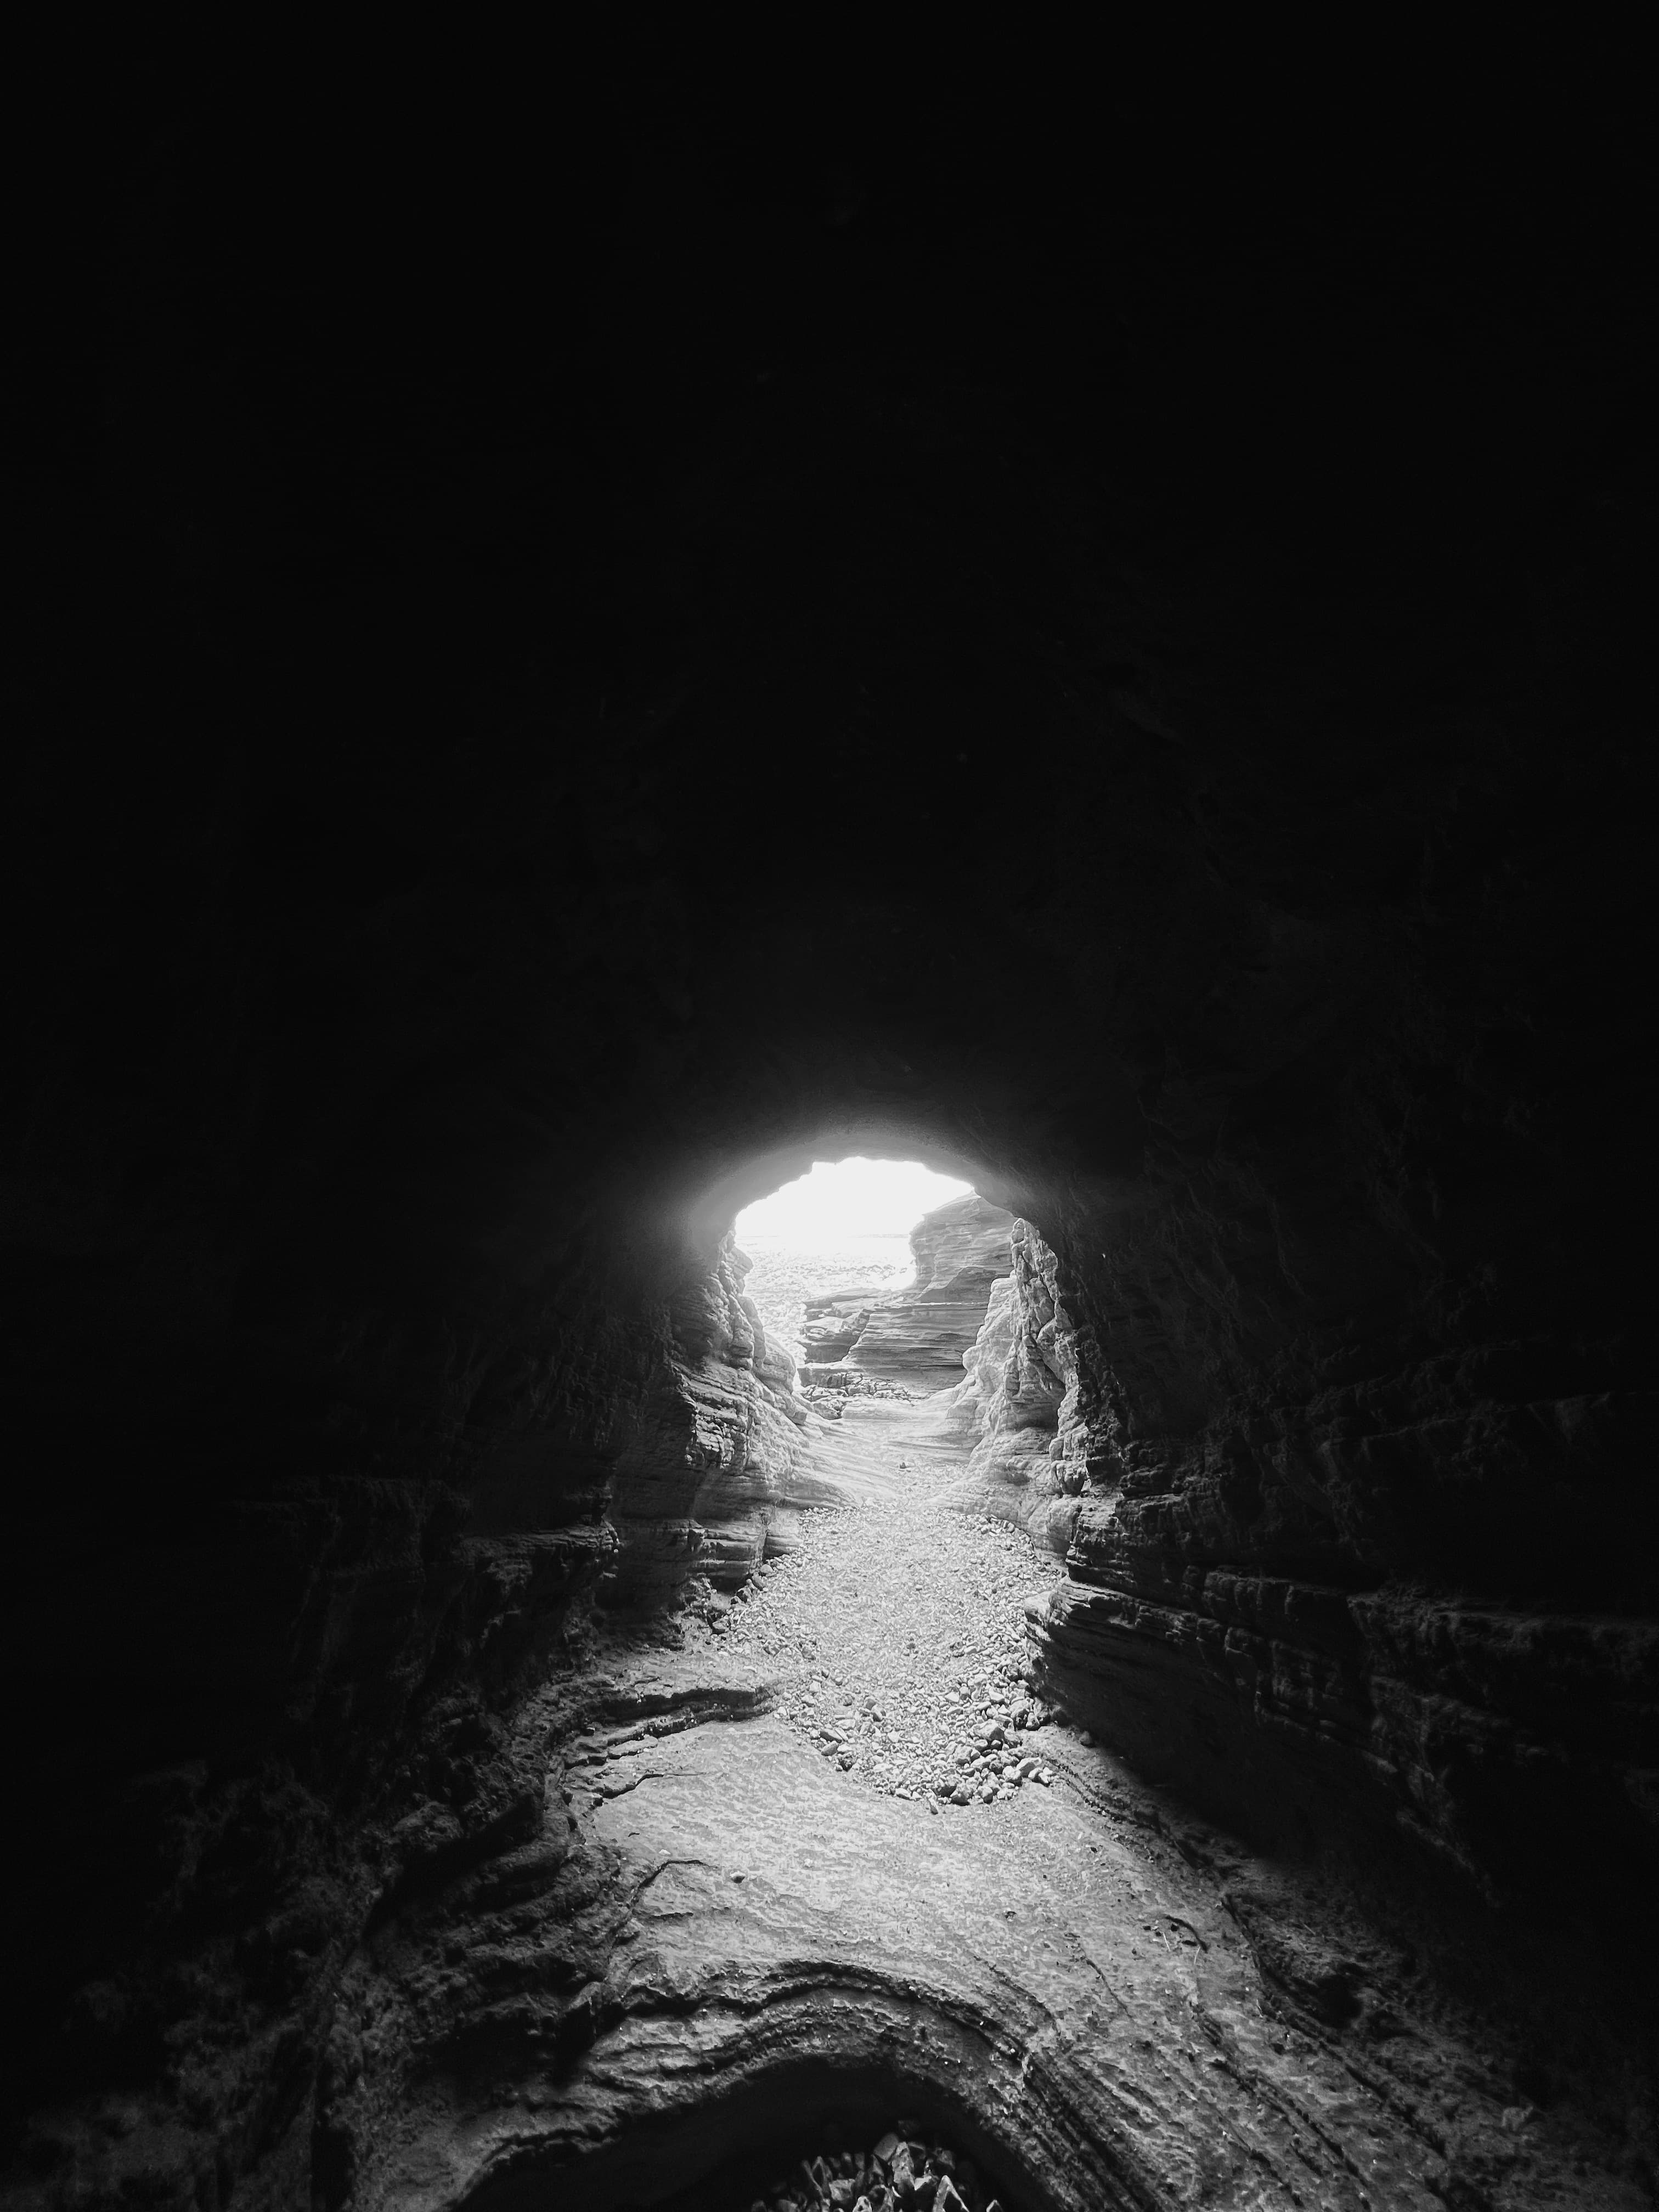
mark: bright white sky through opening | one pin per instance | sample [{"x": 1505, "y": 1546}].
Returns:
[{"x": 850, "y": 1198}]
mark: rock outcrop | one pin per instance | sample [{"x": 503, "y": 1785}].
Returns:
[
  {"x": 1227, "y": 1622},
  {"x": 1024, "y": 1401},
  {"x": 835, "y": 1320},
  {"x": 713, "y": 1470},
  {"x": 918, "y": 1336},
  {"x": 718, "y": 1939},
  {"x": 1233, "y": 1616}
]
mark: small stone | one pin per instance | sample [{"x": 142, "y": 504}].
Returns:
[
  {"x": 886, "y": 2147},
  {"x": 847, "y": 1762},
  {"x": 961, "y": 1796},
  {"x": 947, "y": 2197},
  {"x": 1046, "y": 1778}
]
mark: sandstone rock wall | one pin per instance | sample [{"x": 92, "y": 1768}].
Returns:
[
  {"x": 918, "y": 1336},
  {"x": 1021, "y": 1404},
  {"x": 1238, "y": 1615},
  {"x": 712, "y": 1476},
  {"x": 835, "y": 1320}
]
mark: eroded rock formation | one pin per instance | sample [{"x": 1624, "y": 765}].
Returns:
[
  {"x": 918, "y": 1335},
  {"x": 1319, "y": 1699},
  {"x": 833, "y": 1323},
  {"x": 711, "y": 1473},
  {"x": 1023, "y": 1402}
]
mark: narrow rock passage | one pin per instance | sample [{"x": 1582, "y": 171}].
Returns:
[{"x": 898, "y": 1623}]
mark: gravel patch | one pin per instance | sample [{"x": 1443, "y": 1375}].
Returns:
[{"x": 899, "y": 1625}]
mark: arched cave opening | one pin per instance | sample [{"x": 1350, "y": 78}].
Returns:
[
  {"x": 590, "y": 642},
  {"x": 878, "y": 1540},
  {"x": 825, "y": 1247}
]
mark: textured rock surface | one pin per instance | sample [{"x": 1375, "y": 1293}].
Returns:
[
  {"x": 1026, "y": 1402},
  {"x": 835, "y": 1320},
  {"x": 1225, "y": 1623},
  {"x": 1312, "y": 1702},
  {"x": 731, "y": 1937},
  {"x": 788, "y": 1282},
  {"x": 919, "y": 1334},
  {"x": 1203, "y": 541},
  {"x": 711, "y": 1474}
]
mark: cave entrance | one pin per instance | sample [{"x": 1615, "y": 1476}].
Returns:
[
  {"x": 837, "y": 1244},
  {"x": 896, "y": 1622}
]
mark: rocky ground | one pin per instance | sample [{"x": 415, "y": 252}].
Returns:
[{"x": 899, "y": 1627}]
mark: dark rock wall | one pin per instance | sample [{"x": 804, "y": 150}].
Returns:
[
  {"x": 1226, "y": 1621},
  {"x": 1213, "y": 530}
]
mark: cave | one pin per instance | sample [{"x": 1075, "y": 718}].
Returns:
[{"x": 591, "y": 635}]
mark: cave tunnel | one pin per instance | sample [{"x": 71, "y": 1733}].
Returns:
[{"x": 590, "y": 637}]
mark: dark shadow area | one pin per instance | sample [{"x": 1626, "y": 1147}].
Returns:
[{"x": 732, "y": 2151}]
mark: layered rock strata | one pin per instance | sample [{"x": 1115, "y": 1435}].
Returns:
[
  {"x": 709, "y": 1481},
  {"x": 1024, "y": 1401},
  {"x": 1237, "y": 1618},
  {"x": 715, "y": 1940},
  {"x": 918, "y": 1336},
  {"x": 1230, "y": 1638},
  {"x": 834, "y": 1321}
]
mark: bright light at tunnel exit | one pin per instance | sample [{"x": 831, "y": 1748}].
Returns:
[{"x": 850, "y": 1198}]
